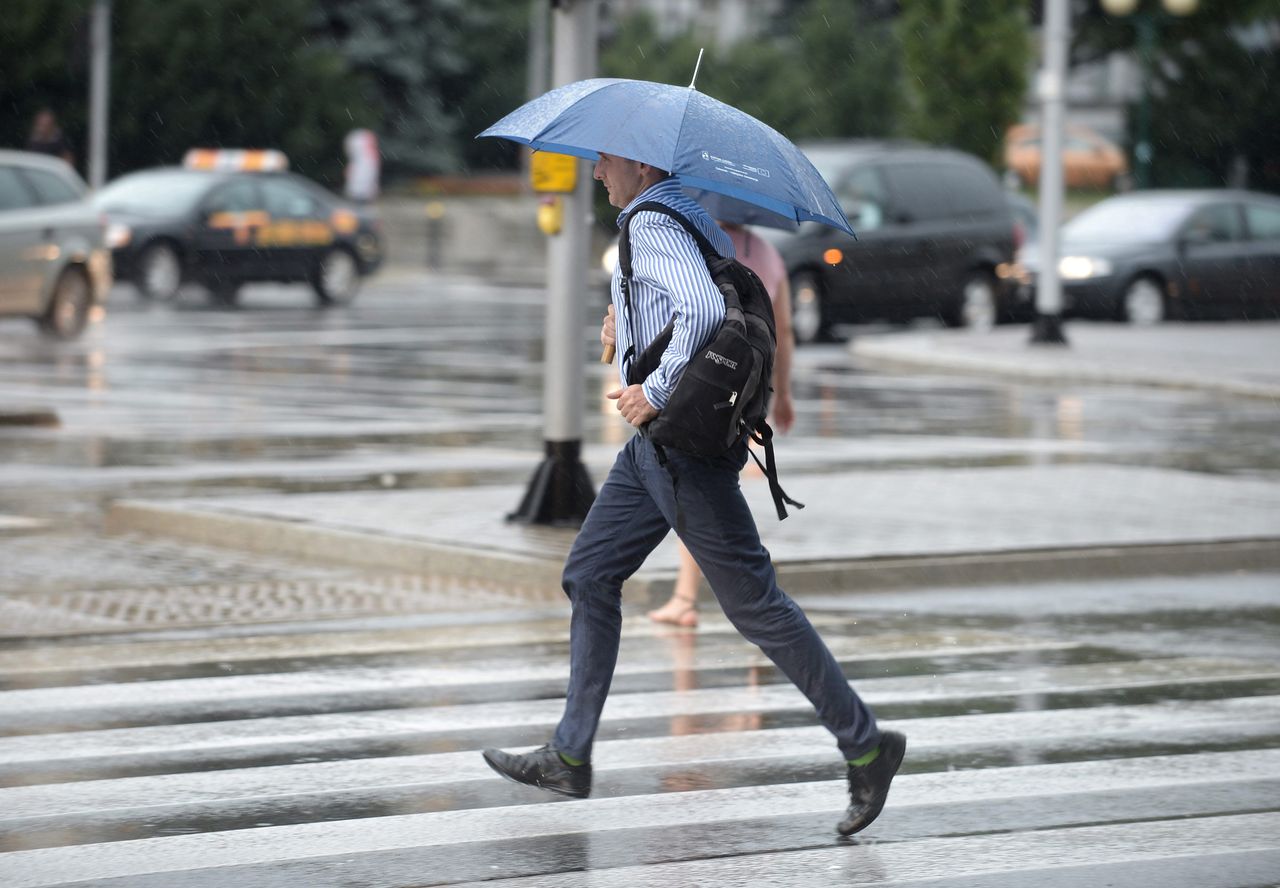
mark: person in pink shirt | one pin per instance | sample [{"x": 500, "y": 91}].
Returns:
[{"x": 763, "y": 258}]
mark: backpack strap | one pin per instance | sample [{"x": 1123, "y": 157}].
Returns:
[
  {"x": 762, "y": 434},
  {"x": 624, "y": 247},
  {"x": 639, "y": 372}
]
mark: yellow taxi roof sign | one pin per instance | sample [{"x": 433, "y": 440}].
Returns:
[{"x": 244, "y": 160}]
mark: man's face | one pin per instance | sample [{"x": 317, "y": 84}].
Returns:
[{"x": 622, "y": 178}]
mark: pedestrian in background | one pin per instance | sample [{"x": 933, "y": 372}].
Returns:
[
  {"x": 636, "y": 508},
  {"x": 762, "y": 257},
  {"x": 364, "y": 166},
  {"x": 47, "y": 138}
]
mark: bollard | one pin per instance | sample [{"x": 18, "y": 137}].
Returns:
[{"x": 435, "y": 234}]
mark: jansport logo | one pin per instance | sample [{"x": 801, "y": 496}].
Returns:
[{"x": 721, "y": 360}]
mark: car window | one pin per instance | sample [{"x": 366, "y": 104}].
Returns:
[
  {"x": 942, "y": 190},
  {"x": 14, "y": 194},
  {"x": 235, "y": 197},
  {"x": 1219, "y": 223},
  {"x": 286, "y": 199},
  {"x": 51, "y": 188},
  {"x": 1264, "y": 221},
  {"x": 863, "y": 196},
  {"x": 159, "y": 191}
]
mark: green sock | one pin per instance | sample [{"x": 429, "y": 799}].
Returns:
[
  {"x": 569, "y": 760},
  {"x": 866, "y": 759}
]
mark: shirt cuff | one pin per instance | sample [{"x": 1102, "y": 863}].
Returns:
[{"x": 654, "y": 393}]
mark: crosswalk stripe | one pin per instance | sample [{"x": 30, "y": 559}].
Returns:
[
  {"x": 1033, "y": 856},
  {"x": 383, "y": 724},
  {"x": 206, "y": 692},
  {"x": 269, "y": 643},
  {"x": 263, "y": 845},
  {"x": 1202, "y": 721}
]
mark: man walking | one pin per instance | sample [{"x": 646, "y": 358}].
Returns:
[{"x": 636, "y": 508}]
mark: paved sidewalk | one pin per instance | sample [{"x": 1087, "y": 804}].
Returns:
[
  {"x": 861, "y": 529},
  {"x": 1238, "y": 359},
  {"x": 866, "y": 526}
]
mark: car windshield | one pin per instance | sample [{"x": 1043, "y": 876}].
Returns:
[
  {"x": 158, "y": 192},
  {"x": 1129, "y": 220}
]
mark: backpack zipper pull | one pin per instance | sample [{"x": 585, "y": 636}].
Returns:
[{"x": 733, "y": 397}]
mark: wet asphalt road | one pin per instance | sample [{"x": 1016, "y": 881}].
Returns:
[{"x": 265, "y": 721}]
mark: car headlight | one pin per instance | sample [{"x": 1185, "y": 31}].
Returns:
[
  {"x": 1078, "y": 268},
  {"x": 117, "y": 235}
]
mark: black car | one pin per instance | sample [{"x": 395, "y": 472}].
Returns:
[
  {"x": 1150, "y": 255},
  {"x": 223, "y": 228},
  {"x": 935, "y": 238}
]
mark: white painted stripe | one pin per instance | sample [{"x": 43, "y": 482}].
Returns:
[
  {"x": 290, "y": 686},
  {"x": 269, "y": 643},
  {"x": 25, "y": 869},
  {"x": 1185, "y": 721},
  {"x": 248, "y": 736},
  {"x": 901, "y": 863}
]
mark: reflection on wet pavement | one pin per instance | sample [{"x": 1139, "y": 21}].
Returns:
[{"x": 176, "y": 714}]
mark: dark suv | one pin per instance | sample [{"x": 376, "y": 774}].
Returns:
[{"x": 935, "y": 238}]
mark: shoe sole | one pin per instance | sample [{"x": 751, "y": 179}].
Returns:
[
  {"x": 873, "y": 814},
  {"x": 506, "y": 775}
]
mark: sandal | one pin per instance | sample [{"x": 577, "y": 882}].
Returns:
[{"x": 678, "y": 611}]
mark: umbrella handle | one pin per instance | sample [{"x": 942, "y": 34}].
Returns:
[{"x": 606, "y": 356}]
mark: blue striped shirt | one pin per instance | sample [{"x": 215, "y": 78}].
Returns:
[{"x": 668, "y": 278}]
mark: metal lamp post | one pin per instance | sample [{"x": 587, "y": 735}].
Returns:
[
  {"x": 560, "y": 492},
  {"x": 1146, "y": 24},
  {"x": 1051, "y": 85}
]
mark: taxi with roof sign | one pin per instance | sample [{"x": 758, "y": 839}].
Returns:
[{"x": 230, "y": 217}]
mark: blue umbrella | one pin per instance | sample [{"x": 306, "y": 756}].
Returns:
[{"x": 751, "y": 168}]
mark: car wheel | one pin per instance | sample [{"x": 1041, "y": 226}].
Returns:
[
  {"x": 159, "y": 272},
  {"x": 808, "y": 321},
  {"x": 1143, "y": 303},
  {"x": 336, "y": 278},
  {"x": 976, "y": 308},
  {"x": 68, "y": 310}
]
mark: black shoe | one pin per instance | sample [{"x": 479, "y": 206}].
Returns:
[
  {"x": 544, "y": 769},
  {"x": 869, "y": 784}
]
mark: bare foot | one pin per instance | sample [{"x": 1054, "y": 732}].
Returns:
[{"x": 678, "y": 611}]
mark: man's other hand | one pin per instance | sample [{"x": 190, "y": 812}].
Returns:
[{"x": 633, "y": 405}]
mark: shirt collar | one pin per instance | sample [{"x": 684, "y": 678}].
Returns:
[{"x": 668, "y": 187}]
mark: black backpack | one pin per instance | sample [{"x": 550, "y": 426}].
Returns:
[{"x": 724, "y": 393}]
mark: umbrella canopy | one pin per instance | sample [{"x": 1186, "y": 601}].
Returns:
[{"x": 711, "y": 146}]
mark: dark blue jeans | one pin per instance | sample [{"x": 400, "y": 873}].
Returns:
[{"x": 632, "y": 513}]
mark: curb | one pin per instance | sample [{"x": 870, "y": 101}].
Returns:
[
  {"x": 538, "y": 579},
  {"x": 889, "y": 356}
]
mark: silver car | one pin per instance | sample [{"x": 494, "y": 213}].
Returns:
[{"x": 55, "y": 267}]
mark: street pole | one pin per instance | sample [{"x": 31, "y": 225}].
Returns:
[
  {"x": 561, "y": 492},
  {"x": 1047, "y": 329},
  {"x": 1145, "y": 25},
  {"x": 99, "y": 91}
]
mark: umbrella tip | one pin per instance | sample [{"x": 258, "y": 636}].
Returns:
[{"x": 693, "y": 83}]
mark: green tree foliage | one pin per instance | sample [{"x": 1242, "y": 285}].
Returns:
[
  {"x": 410, "y": 54},
  {"x": 965, "y": 71},
  {"x": 184, "y": 73},
  {"x": 829, "y": 71},
  {"x": 1213, "y": 81},
  {"x": 239, "y": 73},
  {"x": 43, "y": 63}
]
